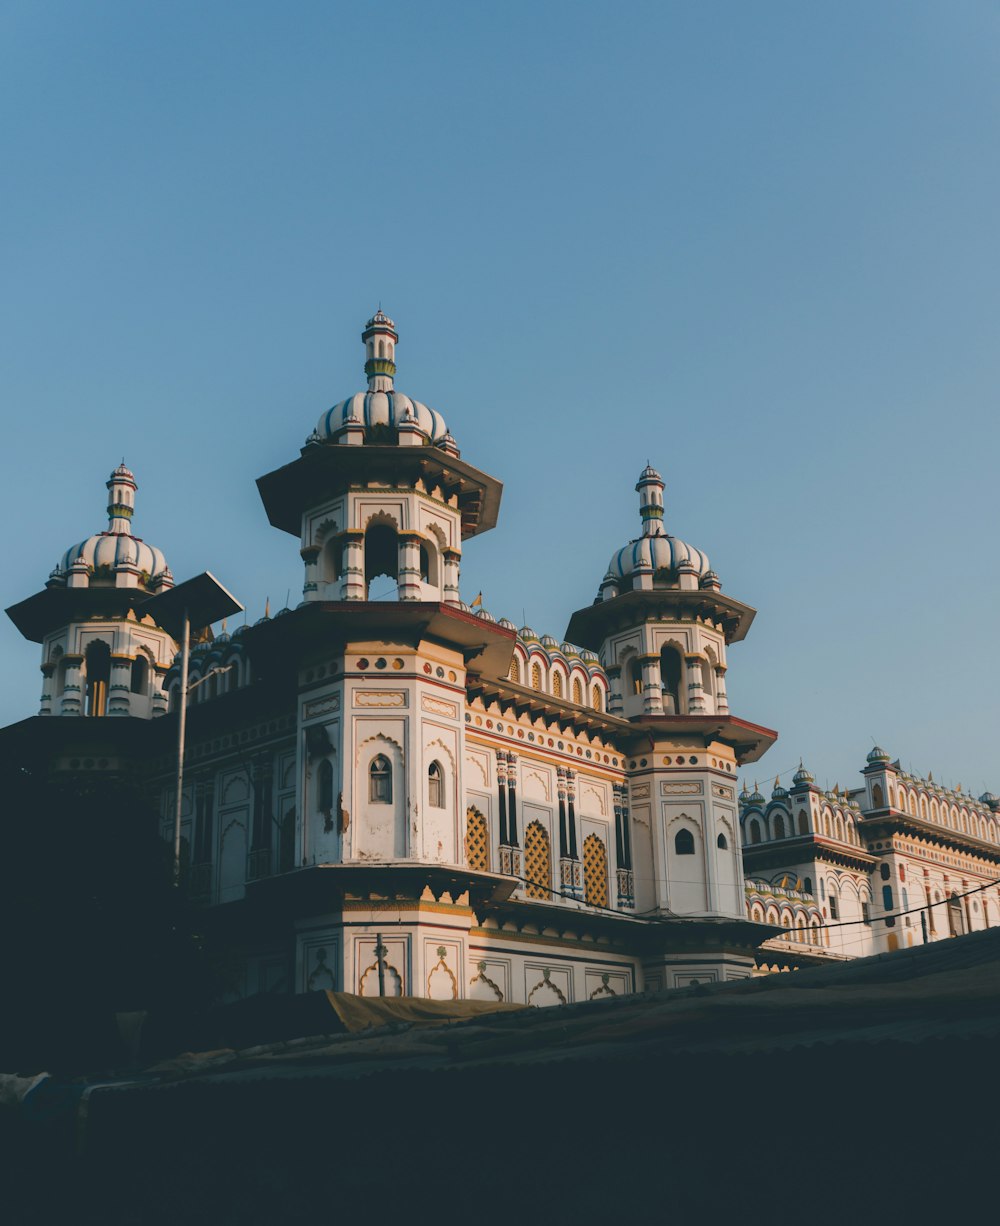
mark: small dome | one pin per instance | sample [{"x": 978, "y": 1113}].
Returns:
[
  {"x": 778, "y": 792},
  {"x": 589, "y": 657},
  {"x": 549, "y": 642},
  {"x": 506, "y": 623},
  {"x": 878, "y": 754},
  {"x": 381, "y": 410},
  {"x": 568, "y": 649},
  {"x": 527, "y": 634},
  {"x": 744, "y": 795},
  {"x": 802, "y": 776},
  {"x": 115, "y": 553},
  {"x": 374, "y": 409},
  {"x": 485, "y": 616},
  {"x": 657, "y": 553},
  {"x": 756, "y": 796},
  {"x": 989, "y": 799}
]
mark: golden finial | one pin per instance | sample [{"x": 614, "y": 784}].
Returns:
[{"x": 267, "y": 607}]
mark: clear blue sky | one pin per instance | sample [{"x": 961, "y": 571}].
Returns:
[{"x": 755, "y": 244}]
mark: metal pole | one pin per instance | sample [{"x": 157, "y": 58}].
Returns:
[
  {"x": 380, "y": 954},
  {"x": 181, "y": 730}
]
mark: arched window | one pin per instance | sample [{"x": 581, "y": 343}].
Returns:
[
  {"x": 537, "y": 862},
  {"x": 435, "y": 786},
  {"x": 536, "y": 676},
  {"x": 380, "y": 781},
  {"x": 684, "y": 842},
  {"x": 578, "y": 692},
  {"x": 807, "y": 884},
  {"x": 635, "y": 676},
  {"x": 878, "y": 798},
  {"x": 98, "y": 668},
  {"x": 803, "y": 822},
  {"x": 722, "y": 843},
  {"x": 754, "y": 830},
  {"x": 557, "y": 683},
  {"x": 324, "y": 787},
  {"x": 425, "y": 564},
  {"x": 381, "y": 555},
  {"x": 671, "y": 674},
  {"x": 832, "y": 899},
  {"x": 779, "y": 827},
  {"x": 884, "y": 871},
  {"x": 515, "y": 670},
  {"x": 140, "y": 675},
  {"x": 595, "y": 698},
  {"x": 887, "y": 901},
  {"x": 595, "y": 871}
]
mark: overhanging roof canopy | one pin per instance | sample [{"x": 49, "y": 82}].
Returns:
[{"x": 202, "y": 598}]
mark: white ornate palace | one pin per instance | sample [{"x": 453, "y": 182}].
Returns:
[{"x": 384, "y": 783}]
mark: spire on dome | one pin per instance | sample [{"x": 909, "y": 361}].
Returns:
[
  {"x": 650, "y": 490},
  {"x": 121, "y": 500},
  {"x": 380, "y": 339}
]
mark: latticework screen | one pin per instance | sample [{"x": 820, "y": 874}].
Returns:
[
  {"x": 477, "y": 842},
  {"x": 595, "y": 871},
  {"x": 537, "y": 862}
]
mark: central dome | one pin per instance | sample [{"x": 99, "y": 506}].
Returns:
[{"x": 381, "y": 411}]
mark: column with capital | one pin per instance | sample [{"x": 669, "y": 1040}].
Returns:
[
  {"x": 352, "y": 580},
  {"x": 451, "y": 559},
  {"x": 72, "y": 696},
  {"x": 614, "y": 674},
  {"x": 721, "y": 698},
  {"x": 119, "y": 685},
  {"x": 408, "y": 570},
  {"x": 48, "y": 670},
  {"x": 696, "y": 694},
  {"x": 652, "y": 685},
  {"x": 310, "y": 556}
]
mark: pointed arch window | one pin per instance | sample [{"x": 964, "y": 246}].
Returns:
[
  {"x": 595, "y": 871},
  {"x": 515, "y": 670},
  {"x": 536, "y": 676},
  {"x": 578, "y": 692},
  {"x": 722, "y": 843},
  {"x": 435, "y": 786},
  {"x": 595, "y": 698},
  {"x": 779, "y": 827},
  {"x": 754, "y": 831},
  {"x": 380, "y": 781},
  {"x": 139, "y": 681},
  {"x": 98, "y": 666},
  {"x": 684, "y": 842},
  {"x": 557, "y": 683}
]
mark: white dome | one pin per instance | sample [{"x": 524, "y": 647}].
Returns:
[
  {"x": 657, "y": 553},
  {"x": 115, "y": 553},
  {"x": 381, "y": 409}
]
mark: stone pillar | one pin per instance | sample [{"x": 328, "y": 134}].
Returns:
[
  {"x": 119, "y": 685},
  {"x": 614, "y": 689},
  {"x": 408, "y": 567},
  {"x": 310, "y": 556},
  {"x": 721, "y": 699},
  {"x": 652, "y": 685},
  {"x": 450, "y": 559},
  {"x": 160, "y": 700},
  {"x": 352, "y": 579},
  {"x": 72, "y": 696},
  {"x": 696, "y": 692},
  {"x": 47, "y": 673}
]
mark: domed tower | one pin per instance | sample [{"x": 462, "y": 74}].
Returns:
[
  {"x": 381, "y": 502},
  {"x": 101, "y": 655},
  {"x": 380, "y": 497},
  {"x": 662, "y": 628}
]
